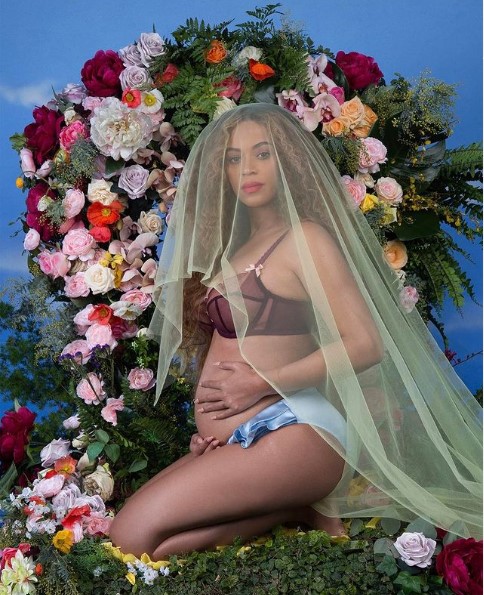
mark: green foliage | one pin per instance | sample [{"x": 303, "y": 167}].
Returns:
[{"x": 17, "y": 141}]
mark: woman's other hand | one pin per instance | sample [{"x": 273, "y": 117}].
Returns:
[
  {"x": 200, "y": 445},
  {"x": 239, "y": 391}
]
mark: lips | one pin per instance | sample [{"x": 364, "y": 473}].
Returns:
[{"x": 251, "y": 187}]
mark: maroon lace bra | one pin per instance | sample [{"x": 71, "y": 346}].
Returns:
[{"x": 269, "y": 314}]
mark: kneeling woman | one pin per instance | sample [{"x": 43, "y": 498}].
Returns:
[{"x": 275, "y": 294}]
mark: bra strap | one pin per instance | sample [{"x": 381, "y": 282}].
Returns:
[{"x": 269, "y": 251}]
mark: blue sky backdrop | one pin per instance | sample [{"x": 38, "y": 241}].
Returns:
[{"x": 43, "y": 45}]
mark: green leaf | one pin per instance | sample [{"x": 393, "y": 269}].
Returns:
[
  {"x": 356, "y": 527},
  {"x": 137, "y": 465},
  {"x": 113, "y": 165},
  {"x": 8, "y": 480},
  {"x": 390, "y": 526},
  {"x": 18, "y": 141},
  {"x": 385, "y": 546},
  {"x": 94, "y": 450},
  {"x": 102, "y": 436},
  {"x": 410, "y": 584},
  {"x": 422, "y": 526},
  {"x": 421, "y": 224},
  {"x": 388, "y": 566},
  {"x": 112, "y": 451}
]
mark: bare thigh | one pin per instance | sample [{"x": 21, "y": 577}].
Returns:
[{"x": 287, "y": 468}]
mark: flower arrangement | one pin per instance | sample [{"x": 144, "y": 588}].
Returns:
[{"x": 100, "y": 165}]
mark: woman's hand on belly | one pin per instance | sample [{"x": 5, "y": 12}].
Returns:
[{"x": 232, "y": 394}]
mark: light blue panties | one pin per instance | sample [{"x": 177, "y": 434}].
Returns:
[{"x": 279, "y": 414}]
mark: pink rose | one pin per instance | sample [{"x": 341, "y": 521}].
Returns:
[
  {"x": 71, "y": 133},
  {"x": 372, "y": 153},
  {"x": 141, "y": 379},
  {"x": 73, "y": 202},
  {"x": 27, "y": 163},
  {"x": 75, "y": 286},
  {"x": 356, "y": 188},
  {"x": 408, "y": 298},
  {"x": 138, "y": 297},
  {"x": 232, "y": 88},
  {"x": 100, "y": 334},
  {"x": 53, "y": 264},
  {"x": 98, "y": 524},
  {"x": 78, "y": 243},
  {"x": 79, "y": 350},
  {"x": 48, "y": 487},
  {"x": 56, "y": 449},
  {"x": 108, "y": 412},
  {"x": 32, "y": 239},
  {"x": 389, "y": 190},
  {"x": 90, "y": 389}
]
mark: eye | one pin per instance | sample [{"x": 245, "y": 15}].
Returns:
[
  {"x": 263, "y": 155},
  {"x": 233, "y": 159}
]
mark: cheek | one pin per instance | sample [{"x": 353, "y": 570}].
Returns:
[{"x": 233, "y": 176}]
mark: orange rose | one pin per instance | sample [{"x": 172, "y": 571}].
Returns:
[
  {"x": 216, "y": 52},
  {"x": 395, "y": 254},
  {"x": 362, "y": 130},
  {"x": 337, "y": 126},
  {"x": 353, "y": 109},
  {"x": 259, "y": 71}
]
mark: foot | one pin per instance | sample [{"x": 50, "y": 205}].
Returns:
[{"x": 332, "y": 525}]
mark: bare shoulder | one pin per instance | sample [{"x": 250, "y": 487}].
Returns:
[{"x": 316, "y": 236}]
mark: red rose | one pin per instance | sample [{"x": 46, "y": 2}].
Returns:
[
  {"x": 43, "y": 134},
  {"x": 100, "y": 74},
  {"x": 168, "y": 75},
  {"x": 35, "y": 218},
  {"x": 232, "y": 88},
  {"x": 15, "y": 427},
  {"x": 359, "y": 70},
  {"x": 460, "y": 563}
]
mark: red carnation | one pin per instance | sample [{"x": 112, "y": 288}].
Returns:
[
  {"x": 359, "y": 70},
  {"x": 43, "y": 134},
  {"x": 36, "y": 219},
  {"x": 100, "y": 74},
  {"x": 15, "y": 427},
  {"x": 460, "y": 563}
]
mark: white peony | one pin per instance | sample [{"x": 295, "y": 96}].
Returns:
[
  {"x": 248, "y": 53},
  {"x": 118, "y": 131},
  {"x": 224, "y": 104},
  {"x": 100, "y": 191}
]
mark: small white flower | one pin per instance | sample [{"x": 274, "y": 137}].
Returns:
[{"x": 248, "y": 53}]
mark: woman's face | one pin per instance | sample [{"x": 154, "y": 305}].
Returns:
[{"x": 250, "y": 164}]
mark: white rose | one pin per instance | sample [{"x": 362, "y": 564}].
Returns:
[
  {"x": 150, "y": 45},
  {"x": 151, "y": 222},
  {"x": 56, "y": 449},
  {"x": 224, "y": 104},
  {"x": 248, "y": 53},
  {"x": 100, "y": 482},
  {"x": 99, "y": 279},
  {"x": 100, "y": 191},
  {"x": 415, "y": 549},
  {"x": 134, "y": 77}
]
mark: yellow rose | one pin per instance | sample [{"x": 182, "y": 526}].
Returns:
[
  {"x": 353, "y": 109},
  {"x": 369, "y": 203},
  {"x": 395, "y": 254},
  {"x": 337, "y": 126},
  {"x": 63, "y": 540}
]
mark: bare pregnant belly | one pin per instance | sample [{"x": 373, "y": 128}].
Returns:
[{"x": 223, "y": 349}]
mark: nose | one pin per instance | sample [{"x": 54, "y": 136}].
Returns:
[{"x": 248, "y": 166}]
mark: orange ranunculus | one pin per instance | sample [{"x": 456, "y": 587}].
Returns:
[
  {"x": 99, "y": 214},
  {"x": 259, "y": 71},
  {"x": 101, "y": 313},
  {"x": 65, "y": 465},
  {"x": 215, "y": 52}
]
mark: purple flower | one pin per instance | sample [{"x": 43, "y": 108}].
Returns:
[{"x": 133, "y": 179}]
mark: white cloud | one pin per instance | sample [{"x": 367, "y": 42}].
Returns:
[
  {"x": 470, "y": 321},
  {"x": 28, "y": 95}
]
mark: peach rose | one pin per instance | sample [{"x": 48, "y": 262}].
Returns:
[
  {"x": 215, "y": 52},
  {"x": 353, "y": 109},
  {"x": 395, "y": 254},
  {"x": 363, "y": 128},
  {"x": 337, "y": 126}
]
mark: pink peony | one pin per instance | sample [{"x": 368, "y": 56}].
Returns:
[
  {"x": 73, "y": 202},
  {"x": 79, "y": 350},
  {"x": 141, "y": 379},
  {"x": 373, "y": 152},
  {"x": 75, "y": 286},
  {"x": 100, "y": 334},
  {"x": 356, "y": 188},
  {"x": 32, "y": 239},
  {"x": 90, "y": 389},
  {"x": 78, "y": 243},
  {"x": 108, "y": 412},
  {"x": 69, "y": 135}
]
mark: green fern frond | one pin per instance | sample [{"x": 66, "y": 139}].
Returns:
[{"x": 463, "y": 162}]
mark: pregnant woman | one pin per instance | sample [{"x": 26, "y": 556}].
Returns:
[{"x": 311, "y": 377}]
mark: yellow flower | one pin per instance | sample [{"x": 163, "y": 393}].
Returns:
[
  {"x": 339, "y": 538},
  {"x": 63, "y": 541},
  {"x": 131, "y": 578},
  {"x": 368, "y": 203},
  {"x": 372, "y": 523},
  {"x": 111, "y": 260},
  {"x": 19, "y": 182}
]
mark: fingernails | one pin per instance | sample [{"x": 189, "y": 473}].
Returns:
[
  {"x": 217, "y": 363},
  {"x": 196, "y": 401},
  {"x": 200, "y": 410}
]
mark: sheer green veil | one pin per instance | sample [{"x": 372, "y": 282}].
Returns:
[{"x": 413, "y": 445}]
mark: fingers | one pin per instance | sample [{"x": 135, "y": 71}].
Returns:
[
  {"x": 213, "y": 406},
  {"x": 210, "y": 384},
  {"x": 208, "y": 397}
]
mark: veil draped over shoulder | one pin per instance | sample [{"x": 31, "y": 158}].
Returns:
[{"x": 413, "y": 430}]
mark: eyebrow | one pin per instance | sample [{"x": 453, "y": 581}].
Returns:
[{"x": 256, "y": 146}]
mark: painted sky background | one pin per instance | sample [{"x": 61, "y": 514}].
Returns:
[{"x": 43, "y": 45}]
